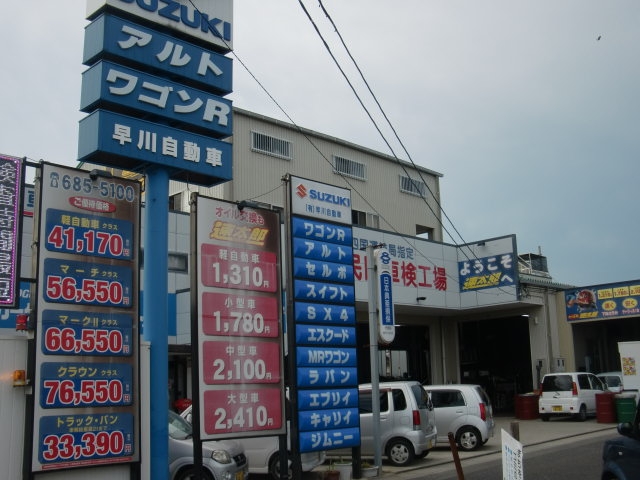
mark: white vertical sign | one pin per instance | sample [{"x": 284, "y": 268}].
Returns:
[
  {"x": 512, "y": 458},
  {"x": 386, "y": 316}
]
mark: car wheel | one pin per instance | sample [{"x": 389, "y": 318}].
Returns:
[
  {"x": 581, "y": 416},
  {"x": 400, "y": 452},
  {"x": 469, "y": 439},
  {"x": 189, "y": 473},
  {"x": 544, "y": 417},
  {"x": 274, "y": 468}
]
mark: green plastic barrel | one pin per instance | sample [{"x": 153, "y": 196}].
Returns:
[{"x": 625, "y": 407}]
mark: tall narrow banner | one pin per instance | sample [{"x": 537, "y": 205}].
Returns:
[
  {"x": 386, "y": 316},
  {"x": 325, "y": 317},
  {"x": 241, "y": 382},
  {"x": 87, "y": 403},
  {"x": 11, "y": 173}
]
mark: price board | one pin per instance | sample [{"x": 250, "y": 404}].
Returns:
[
  {"x": 79, "y": 440},
  {"x": 84, "y": 233},
  {"x": 241, "y": 361},
  {"x": 245, "y": 410},
  {"x": 239, "y": 337},
  {"x": 87, "y": 283},
  {"x": 68, "y": 332},
  {"x": 86, "y": 399},
  {"x": 240, "y": 315},
  {"x": 238, "y": 268},
  {"x": 85, "y": 384}
]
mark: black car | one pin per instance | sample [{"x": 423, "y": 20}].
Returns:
[{"x": 621, "y": 456}]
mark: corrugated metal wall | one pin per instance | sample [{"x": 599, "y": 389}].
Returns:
[{"x": 13, "y": 356}]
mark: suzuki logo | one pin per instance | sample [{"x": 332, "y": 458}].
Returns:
[{"x": 301, "y": 191}]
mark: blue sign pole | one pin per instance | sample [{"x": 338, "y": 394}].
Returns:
[{"x": 155, "y": 308}]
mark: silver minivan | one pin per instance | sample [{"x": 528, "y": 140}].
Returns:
[
  {"x": 464, "y": 410},
  {"x": 407, "y": 422}
]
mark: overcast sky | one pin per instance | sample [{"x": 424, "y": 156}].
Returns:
[{"x": 530, "y": 109}]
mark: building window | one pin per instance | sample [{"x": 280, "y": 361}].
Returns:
[
  {"x": 175, "y": 202},
  {"x": 358, "y": 218},
  {"x": 349, "y": 168},
  {"x": 364, "y": 219},
  {"x": 176, "y": 262},
  {"x": 424, "y": 232},
  {"x": 412, "y": 186},
  {"x": 270, "y": 145}
]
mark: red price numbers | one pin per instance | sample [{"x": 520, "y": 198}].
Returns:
[
  {"x": 233, "y": 274},
  {"x": 101, "y": 391},
  {"x": 90, "y": 341},
  {"x": 63, "y": 447},
  {"x": 90, "y": 290},
  {"x": 91, "y": 241},
  {"x": 245, "y": 418},
  {"x": 240, "y": 369},
  {"x": 241, "y": 322},
  {"x": 253, "y": 410}
]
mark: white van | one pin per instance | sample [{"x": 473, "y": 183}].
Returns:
[{"x": 569, "y": 393}]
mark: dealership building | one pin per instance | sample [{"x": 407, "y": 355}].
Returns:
[{"x": 476, "y": 313}]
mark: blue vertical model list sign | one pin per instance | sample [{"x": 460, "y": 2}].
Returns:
[{"x": 324, "y": 312}]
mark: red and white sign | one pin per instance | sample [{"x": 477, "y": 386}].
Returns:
[{"x": 241, "y": 373}]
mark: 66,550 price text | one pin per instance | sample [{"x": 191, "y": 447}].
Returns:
[{"x": 85, "y": 341}]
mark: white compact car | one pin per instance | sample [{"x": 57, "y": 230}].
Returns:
[
  {"x": 569, "y": 393},
  {"x": 464, "y": 410},
  {"x": 263, "y": 453}
]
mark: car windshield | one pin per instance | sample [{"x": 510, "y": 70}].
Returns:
[
  {"x": 179, "y": 428},
  {"x": 611, "y": 380},
  {"x": 557, "y": 383}
]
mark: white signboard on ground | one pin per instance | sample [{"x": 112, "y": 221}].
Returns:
[{"x": 512, "y": 458}]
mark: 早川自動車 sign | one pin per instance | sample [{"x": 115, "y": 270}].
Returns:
[
  {"x": 162, "y": 61},
  {"x": 124, "y": 142}
]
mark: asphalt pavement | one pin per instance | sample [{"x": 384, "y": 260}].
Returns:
[{"x": 529, "y": 432}]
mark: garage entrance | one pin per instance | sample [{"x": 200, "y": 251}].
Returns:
[{"x": 496, "y": 354}]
